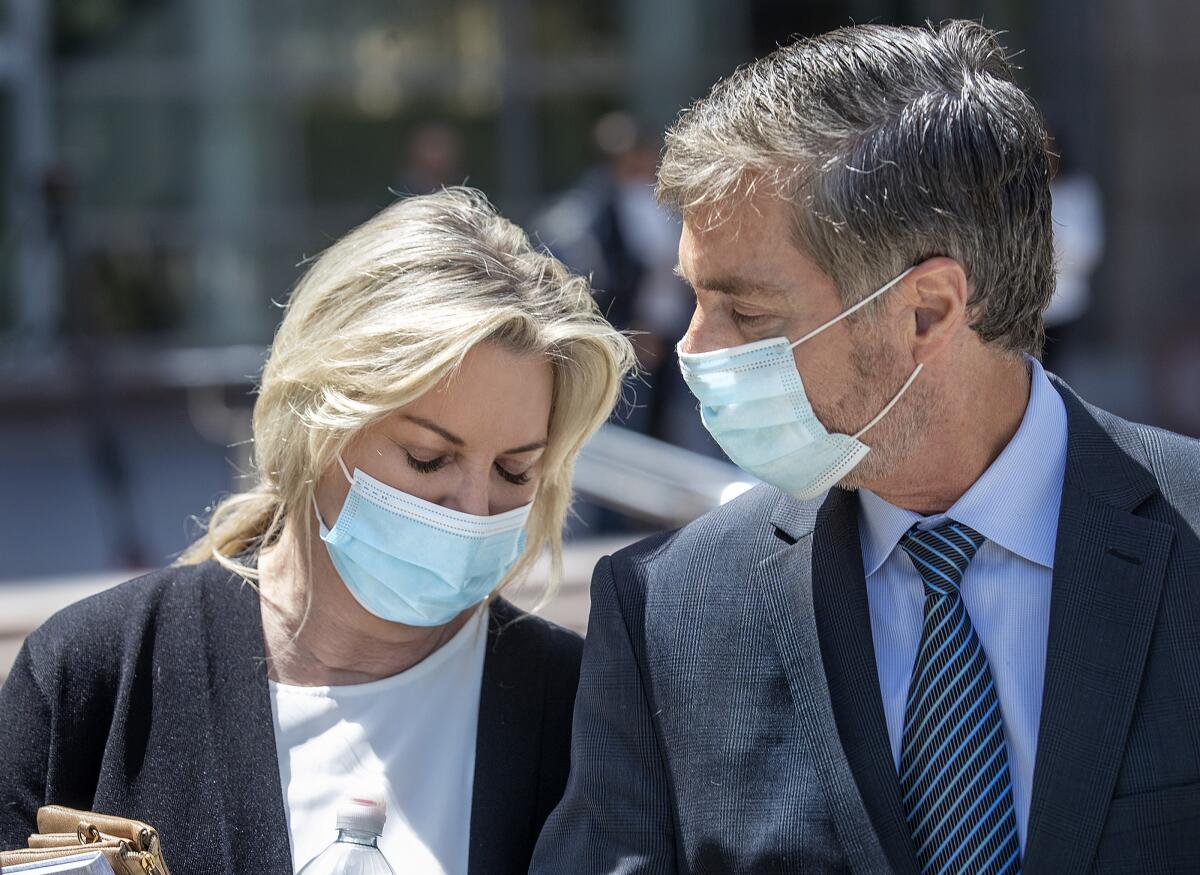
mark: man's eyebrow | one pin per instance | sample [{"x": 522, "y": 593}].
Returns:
[
  {"x": 732, "y": 285},
  {"x": 458, "y": 442}
]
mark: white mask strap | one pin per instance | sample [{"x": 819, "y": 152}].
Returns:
[
  {"x": 317, "y": 511},
  {"x": 892, "y": 403},
  {"x": 349, "y": 477},
  {"x": 868, "y": 299}
]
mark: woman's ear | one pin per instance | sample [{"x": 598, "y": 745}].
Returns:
[{"x": 935, "y": 294}]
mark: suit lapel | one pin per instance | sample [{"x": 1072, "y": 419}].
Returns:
[
  {"x": 785, "y": 580},
  {"x": 1108, "y": 570},
  {"x": 844, "y": 625},
  {"x": 504, "y": 797}
]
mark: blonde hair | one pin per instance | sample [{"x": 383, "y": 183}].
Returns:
[{"x": 381, "y": 317}]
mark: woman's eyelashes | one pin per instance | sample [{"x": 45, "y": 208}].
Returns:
[
  {"x": 516, "y": 479},
  {"x": 429, "y": 466},
  {"x": 425, "y": 466}
]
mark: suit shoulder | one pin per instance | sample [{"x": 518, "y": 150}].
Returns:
[
  {"x": 721, "y": 545},
  {"x": 731, "y": 522},
  {"x": 1174, "y": 461},
  {"x": 1170, "y": 461},
  {"x": 1172, "y": 455},
  {"x": 1164, "y": 453},
  {"x": 735, "y": 530}
]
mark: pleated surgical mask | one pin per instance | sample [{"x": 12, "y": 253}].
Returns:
[
  {"x": 411, "y": 561},
  {"x": 753, "y": 403}
]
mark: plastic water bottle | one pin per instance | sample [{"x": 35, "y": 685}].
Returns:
[{"x": 356, "y": 851}]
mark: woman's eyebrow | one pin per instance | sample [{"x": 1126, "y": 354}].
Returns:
[
  {"x": 527, "y": 448},
  {"x": 434, "y": 427},
  {"x": 459, "y": 442}
]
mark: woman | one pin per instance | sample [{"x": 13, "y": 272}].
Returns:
[{"x": 427, "y": 392}]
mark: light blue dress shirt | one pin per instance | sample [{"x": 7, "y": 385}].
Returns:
[{"x": 1006, "y": 588}]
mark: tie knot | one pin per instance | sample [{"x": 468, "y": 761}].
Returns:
[{"x": 942, "y": 554}]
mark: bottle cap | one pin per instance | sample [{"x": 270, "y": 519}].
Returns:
[{"x": 362, "y": 812}]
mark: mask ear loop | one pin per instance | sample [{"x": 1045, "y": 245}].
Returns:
[
  {"x": 317, "y": 511},
  {"x": 349, "y": 478},
  {"x": 890, "y": 404},
  {"x": 868, "y": 299}
]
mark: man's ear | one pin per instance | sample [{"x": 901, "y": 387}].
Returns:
[{"x": 934, "y": 296}]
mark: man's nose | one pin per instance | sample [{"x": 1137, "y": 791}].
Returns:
[{"x": 709, "y": 331}]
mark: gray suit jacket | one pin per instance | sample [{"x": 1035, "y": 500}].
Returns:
[{"x": 729, "y": 715}]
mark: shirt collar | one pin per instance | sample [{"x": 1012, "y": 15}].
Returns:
[{"x": 1014, "y": 503}]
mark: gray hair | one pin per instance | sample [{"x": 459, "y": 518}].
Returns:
[{"x": 896, "y": 144}]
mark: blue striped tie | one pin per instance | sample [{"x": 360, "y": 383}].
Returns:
[{"x": 954, "y": 777}]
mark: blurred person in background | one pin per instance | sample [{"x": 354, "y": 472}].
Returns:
[
  {"x": 1177, "y": 375},
  {"x": 88, "y": 342},
  {"x": 340, "y": 623},
  {"x": 1078, "y": 213},
  {"x": 611, "y": 227},
  {"x": 432, "y": 159},
  {"x": 979, "y": 652}
]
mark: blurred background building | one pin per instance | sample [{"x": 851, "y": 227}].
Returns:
[{"x": 166, "y": 166}]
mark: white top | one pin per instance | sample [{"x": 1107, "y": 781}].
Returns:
[{"x": 413, "y": 732}]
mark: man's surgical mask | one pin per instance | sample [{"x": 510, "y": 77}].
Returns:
[{"x": 753, "y": 403}]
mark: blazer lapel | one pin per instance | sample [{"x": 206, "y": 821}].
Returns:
[
  {"x": 786, "y": 580},
  {"x": 1108, "y": 570},
  {"x": 503, "y": 800},
  {"x": 844, "y": 624},
  {"x": 245, "y": 758}
]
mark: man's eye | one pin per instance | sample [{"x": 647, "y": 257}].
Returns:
[
  {"x": 745, "y": 318},
  {"x": 423, "y": 465}
]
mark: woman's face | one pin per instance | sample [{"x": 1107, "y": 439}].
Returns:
[{"x": 474, "y": 443}]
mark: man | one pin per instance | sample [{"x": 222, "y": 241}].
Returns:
[{"x": 981, "y": 651}]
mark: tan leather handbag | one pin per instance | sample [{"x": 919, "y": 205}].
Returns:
[{"x": 130, "y": 846}]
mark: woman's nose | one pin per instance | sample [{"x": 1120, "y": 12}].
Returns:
[{"x": 472, "y": 494}]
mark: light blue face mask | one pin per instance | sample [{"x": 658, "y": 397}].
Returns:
[
  {"x": 410, "y": 561},
  {"x": 753, "y": 403}
]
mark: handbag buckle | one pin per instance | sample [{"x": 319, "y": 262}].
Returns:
[{"x": 87, "y": 833}]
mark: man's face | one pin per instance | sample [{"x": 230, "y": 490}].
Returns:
[{"x": 752, "y": 283}]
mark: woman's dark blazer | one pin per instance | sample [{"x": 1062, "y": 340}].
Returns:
[{"x": 151, "y": 701}]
